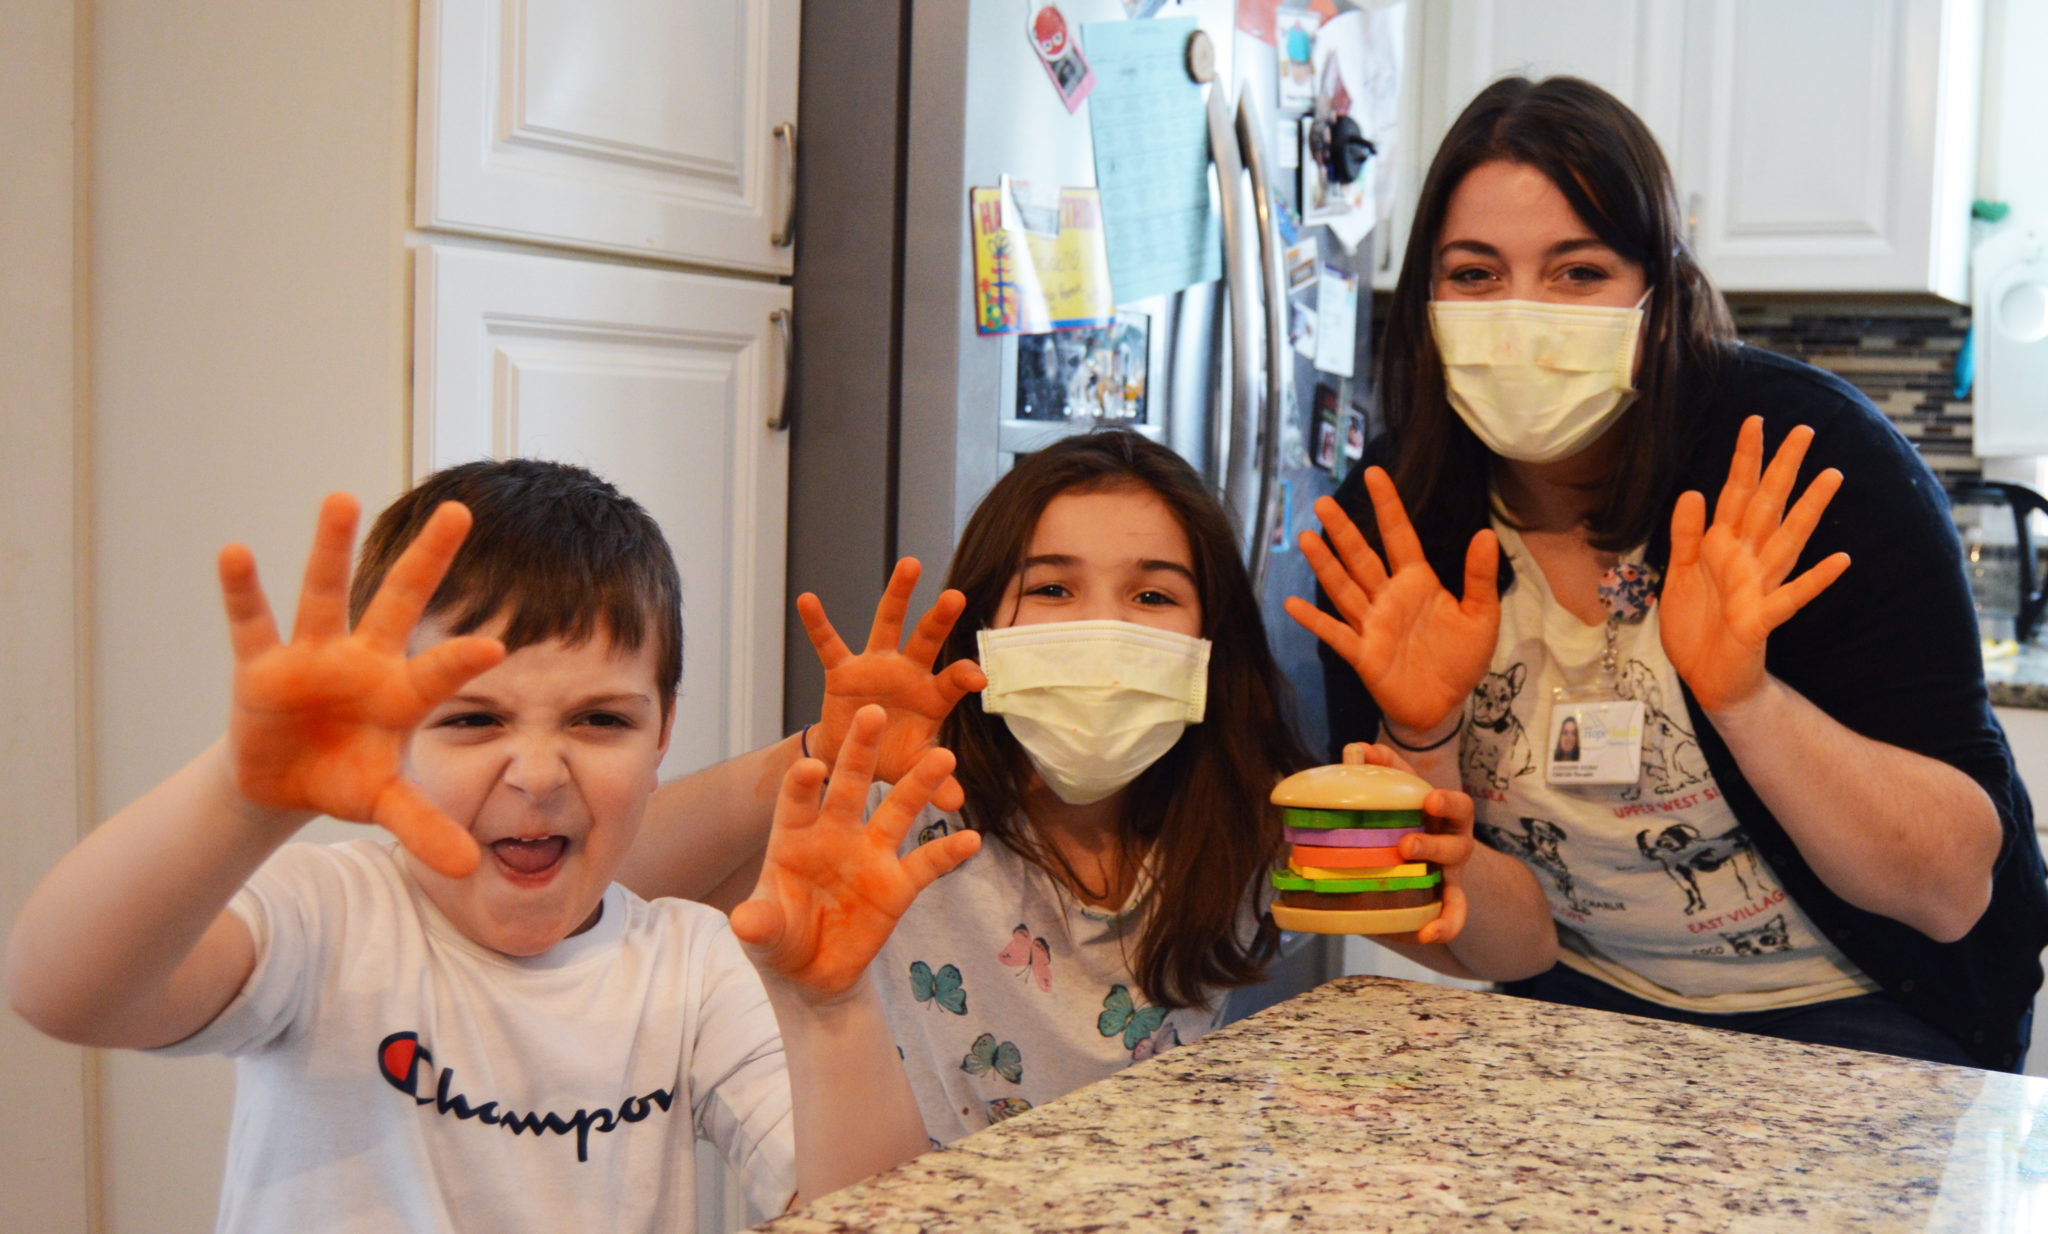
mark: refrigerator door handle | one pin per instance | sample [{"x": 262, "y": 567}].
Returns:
[
  {"x": 1265, "y": 511},
  {"x": 1233, "y": 429}
]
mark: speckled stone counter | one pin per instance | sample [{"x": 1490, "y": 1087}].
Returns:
[
  {"x": 1374, "y": 1104},
  {"x": 2019, "y": 680}
]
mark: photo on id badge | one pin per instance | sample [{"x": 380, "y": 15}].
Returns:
[{"x": 1594, "y": 740}]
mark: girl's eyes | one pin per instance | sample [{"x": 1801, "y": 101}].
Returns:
[
  {"x": 1057, "y": 591},
  {"x": 1156, "y": 598}
]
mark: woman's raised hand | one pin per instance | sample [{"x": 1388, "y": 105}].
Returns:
[
  {"x": 1418, "y": 649},
  {"x": 320, "y": 723},
  {"x": 901, "y": 682},
  {"x": 833, "y": 888},
  {"x": 1725, "y": 590}
]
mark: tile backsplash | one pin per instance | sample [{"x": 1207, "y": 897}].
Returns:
[{"x": 1900, "y": 353}]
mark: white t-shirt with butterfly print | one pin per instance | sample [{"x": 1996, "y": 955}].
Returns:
[{"x": 1004, "y": 993}]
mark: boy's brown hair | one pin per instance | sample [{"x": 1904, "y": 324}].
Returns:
[{"x": 557, "y": 551}]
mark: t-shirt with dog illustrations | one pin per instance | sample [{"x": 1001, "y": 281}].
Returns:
[
  {"x": 1004, "y": 991},
  {"x": 1655, "y": 887},
  {"x": 391, "y": 1074}
]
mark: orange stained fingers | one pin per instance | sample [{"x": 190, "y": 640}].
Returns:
[
  {"x": 410, "y": 583},
  {"x": 323, "y": 595}
]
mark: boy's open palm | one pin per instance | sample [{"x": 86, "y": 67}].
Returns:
[
  {"x": 833, "y": 888},
  {"x": 320, "y": 723},
  {"x": 1419, "y": 650},
  {"x": 901, "y": 682},
  {"x": 1725, "y": 590}
]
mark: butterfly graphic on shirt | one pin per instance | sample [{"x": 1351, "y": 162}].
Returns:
[
  {"x": 1006, "y": 1107},
  {"x": 1029, "y": 954},
  {"x": 988, "y": 1054},
  {"x": 1120, "y": 1014},
  {"x": 941, "y": 989},
  {"x": 1159, "y": 1043}
]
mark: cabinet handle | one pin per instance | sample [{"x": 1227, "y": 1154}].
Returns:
[
  {"x": 785, "y": 329},
  {"x": 785, "y": 135},
  {"x": 1692, "y": 222}
]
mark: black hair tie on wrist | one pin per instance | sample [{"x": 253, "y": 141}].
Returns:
[{"x": 1439, "y": 743}]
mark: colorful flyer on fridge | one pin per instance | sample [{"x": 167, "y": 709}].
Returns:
[{"x": 1039, "y": 261}]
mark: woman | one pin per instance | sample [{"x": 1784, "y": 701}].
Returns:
[{"x": 1822, "y": 836}]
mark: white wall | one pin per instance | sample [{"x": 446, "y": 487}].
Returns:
[
  {"x": 44, "y": 1172},
  {"x": 246, "y": 311}
]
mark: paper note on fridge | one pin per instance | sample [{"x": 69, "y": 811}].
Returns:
[
  {"x": 1151, "y": 133},
  {"x": 1336, "y": 321},
  {"x": 1039, "y": 263}
]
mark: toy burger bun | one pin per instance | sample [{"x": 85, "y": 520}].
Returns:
[{"x": 1344, "y": 870}]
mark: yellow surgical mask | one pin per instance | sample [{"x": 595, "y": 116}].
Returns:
[{"x": 1537, "y": 382}]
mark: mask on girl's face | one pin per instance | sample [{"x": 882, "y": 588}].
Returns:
[
  {"x": 1537, "y": 382},
  {"x": 1094, "y": 703}
]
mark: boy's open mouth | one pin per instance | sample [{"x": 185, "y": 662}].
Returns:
[{"x": 535, "y": 856}]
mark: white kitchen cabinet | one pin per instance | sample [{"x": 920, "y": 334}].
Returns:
[
  {"x": 661, "y": 130},
  {"x": 1830, "y": 145},
  {"x": 1823, "y": 145},
  {"x": 663, "y": 383}
]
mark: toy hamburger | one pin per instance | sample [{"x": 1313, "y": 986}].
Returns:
[{"x": 1344, "y": 870}]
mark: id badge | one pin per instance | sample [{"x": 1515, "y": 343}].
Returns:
[{"x": 1596, "y": 737}]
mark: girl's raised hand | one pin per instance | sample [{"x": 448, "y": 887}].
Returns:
[
  {"x": 1725, "y": 590},
  {"x": 320, "y": 723},
  {"x": 1419, "y": 650},
  {"x": 901, "y": 682},
  {"x": 832, "y": 889},
  {"x": 1447, "y": 816}
]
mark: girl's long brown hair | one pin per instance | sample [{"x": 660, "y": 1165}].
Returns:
[
  {"x": 1202, "y": 811},
  {"x": 1607, "y": 165}
]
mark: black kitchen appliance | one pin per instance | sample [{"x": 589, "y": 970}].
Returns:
[{"x": 2004, "y": 577}]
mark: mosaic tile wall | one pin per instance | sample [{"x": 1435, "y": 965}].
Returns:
[{"x": 1902, "y": 354}]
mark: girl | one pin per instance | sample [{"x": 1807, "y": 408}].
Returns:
[
  {"x": 1120, "y": 889},
  {"x": 1823, "y": 837}
]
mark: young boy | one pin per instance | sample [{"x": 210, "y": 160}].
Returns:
[{"x": 474, "y": 1028}]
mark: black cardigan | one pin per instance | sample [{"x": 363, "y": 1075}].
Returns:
[{"x": 1890, "y": 651}]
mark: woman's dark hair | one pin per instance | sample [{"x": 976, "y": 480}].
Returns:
[
  {"x": 1201, "y": 812},
  {"x": 1607, "y": 165}
]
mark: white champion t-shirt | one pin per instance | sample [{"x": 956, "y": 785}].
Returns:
[
  {"x": 1655, "y": 886},
  {"x": 393, "y": 1075},
  {"x": 1003, "y": 992}
]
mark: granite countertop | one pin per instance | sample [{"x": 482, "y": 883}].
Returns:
[
  {"x": 2018, "y": 678},
  {"x": 1375, "y": 1104}
]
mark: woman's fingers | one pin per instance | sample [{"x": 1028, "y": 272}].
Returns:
[
  {"x": 393, "y": 612},
  {"x": 251, "y": 628},
  {"x": 440, "y": 670},
  {"x": 1782, "y": 549},
  {"x": 1342, "y": 638},
  {"x": 1768, "y": 506},
  {"x": 1360, "y": 562},
  {"x": 1688, "y": 524},
  {"x": 1482, "y": 573},
  {"x": 887, "y": 631},
  {"x": 1404, "y": 548},
  {"x": 425, "y": 832},
  {"x": 830, "y": 647},
  {"x": 1743, "y": 471},
  {"x": 323, "y": 595},
  {"x": 1779, "y": 606},
  {"x": 1450, "y": 848},
  {"x": 929, "y": 638},
  {"x": 1338, "y": 583}
]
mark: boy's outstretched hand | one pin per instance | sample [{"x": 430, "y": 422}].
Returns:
[
  {"x": 320, "y": 723},
  {"x": 902, "y": 682},
  {"x": 831, "y": 888}
]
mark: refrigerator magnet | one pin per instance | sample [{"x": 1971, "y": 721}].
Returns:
[
  {"x": 1053, "y": 39},
  {"x": 1302, "y": 330}
]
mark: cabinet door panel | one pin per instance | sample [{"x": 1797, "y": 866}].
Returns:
[
  {"x": 661, "y": 383},
  {"x": 622, "y": 125}
]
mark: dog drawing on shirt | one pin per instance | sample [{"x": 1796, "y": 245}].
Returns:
[
  {"x": 1496, "y": 748},
  {"x": 1539, "y": 846},
  {"x": 1685, "y": 855},
  {"x": 1671, "y": 755}
]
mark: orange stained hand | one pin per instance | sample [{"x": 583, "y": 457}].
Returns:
[
  {"x": 1447, "y": 816},
  {"x": 320, "y": 723},
  {"x": 1419, "y": 650},
  {"x": 901, "y": 682},
  {"x": 1725, "y": 589},
  {"x": 833, "y": 888}
]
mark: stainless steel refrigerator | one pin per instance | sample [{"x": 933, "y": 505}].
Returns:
[{"x": 904, "y": 415}]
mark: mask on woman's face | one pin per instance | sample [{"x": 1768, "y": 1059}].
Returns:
[
  {"x": 1094, "y": 703},
  {"x": 1537, "y": 382}
]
